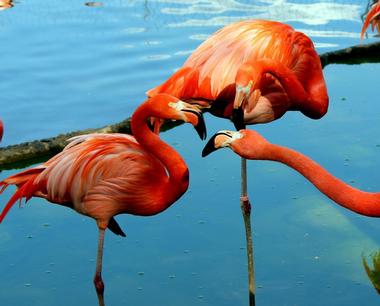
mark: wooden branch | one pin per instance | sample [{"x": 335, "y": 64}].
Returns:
[
  {"x": 359, "y": 54},
  {"x": 24, "y": 154}
]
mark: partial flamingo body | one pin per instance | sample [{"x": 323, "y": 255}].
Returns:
[
  {"x": 103, "y": 175},
  {"x": 1, "y": 129},
  {"x": 249, "y": 144},
  {"x": 372, "y": 18},
  {"x": 6, "y": 4},
  {"x": 264, "y": 67}
]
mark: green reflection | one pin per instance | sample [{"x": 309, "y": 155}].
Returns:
[{"x": 374, "y": 272}]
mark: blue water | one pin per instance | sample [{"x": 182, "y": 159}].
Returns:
[{"x": 68, "y": 66}]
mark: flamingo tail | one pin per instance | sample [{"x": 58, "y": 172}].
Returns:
[{"x": 26, "y": 187}]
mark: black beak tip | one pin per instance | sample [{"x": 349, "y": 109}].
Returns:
[
  {"x": 238, "y": 118},
  {"x": 201, "y": 127},
  {"x": 209, "y": 147}
]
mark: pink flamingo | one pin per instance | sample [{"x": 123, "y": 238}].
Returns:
[
  {"x": 1, "y": 129},
  {"x": 103, "y": 175},
  {"x": 251, "y": 72},
  {"x": 251, "y": 145}
]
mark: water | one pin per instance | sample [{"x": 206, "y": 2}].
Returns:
[{"x": 68, "y": 66}]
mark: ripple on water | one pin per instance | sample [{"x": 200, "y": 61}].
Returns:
[
  {"x": 184, "y": 52},
  {"x": 199, "y": 36},
  {"x": 134, "y": 30},
  {"x": 156, "y": 57}
]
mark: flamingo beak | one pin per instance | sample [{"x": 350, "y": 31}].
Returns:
[
  {"x": 238, "y": 118},
  {"x": 200, "y": 125},
  {"x": 242, "y": 93},
  {"x": 219, "y": 140}
]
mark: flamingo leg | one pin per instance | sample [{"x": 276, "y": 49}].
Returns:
[
  {"x": 246, "y": 211},
  {"x": 98, "y": 281}
]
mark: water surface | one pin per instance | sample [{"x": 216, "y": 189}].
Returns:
[{"x": 68, "y": 66}]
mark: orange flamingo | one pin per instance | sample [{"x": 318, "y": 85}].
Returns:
[
  {"x": 252, "y": 72},
  {"x": 251, "y": 145},
  {"x": 373, "y": 18},
  {"x": 103, "y": 175}
]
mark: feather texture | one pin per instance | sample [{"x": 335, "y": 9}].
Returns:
[{"x": 211, "y": 70}]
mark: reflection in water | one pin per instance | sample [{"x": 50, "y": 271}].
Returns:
[
  {"x": 285, "y": 11},
  {"x": 374, "y": 273},
  {"x": 226, "y": 12},
  {"x": 324, "y": 33},
  {"x": 147, "y": 12},
  {"x": 102, "y": 82},
  {"x": 6, "y": 4}
]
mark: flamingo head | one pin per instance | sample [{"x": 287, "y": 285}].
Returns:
[
  {"x": 246, "y": 95},
  {"x": 166, "y": 107},
  {"x": 246, "y": 143}
]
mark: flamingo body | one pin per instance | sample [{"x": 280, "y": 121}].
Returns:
[
  {"x": 99, "y": 175},
  {"x": 272, "y": 55}
]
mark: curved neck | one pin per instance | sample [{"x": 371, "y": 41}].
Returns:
[
  {"x": 285, "y": 76},
  {"x": 310, "y": 97},
  {"x": 175, "y": 166},
  {"x": 364, "y": 203}
]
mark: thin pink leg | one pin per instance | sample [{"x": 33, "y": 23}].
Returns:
[
  {"x": 98, "y": 281},
  {"x": 246, "y": 211}
]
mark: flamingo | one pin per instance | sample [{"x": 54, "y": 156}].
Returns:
[
  {"x": 251, "y": 72},
  {"x": 251, "y": 145},
  {"x": 373, "y": 18},
  {"x": 1, "y": 129},
  {"x": 103, "y": 175}
]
